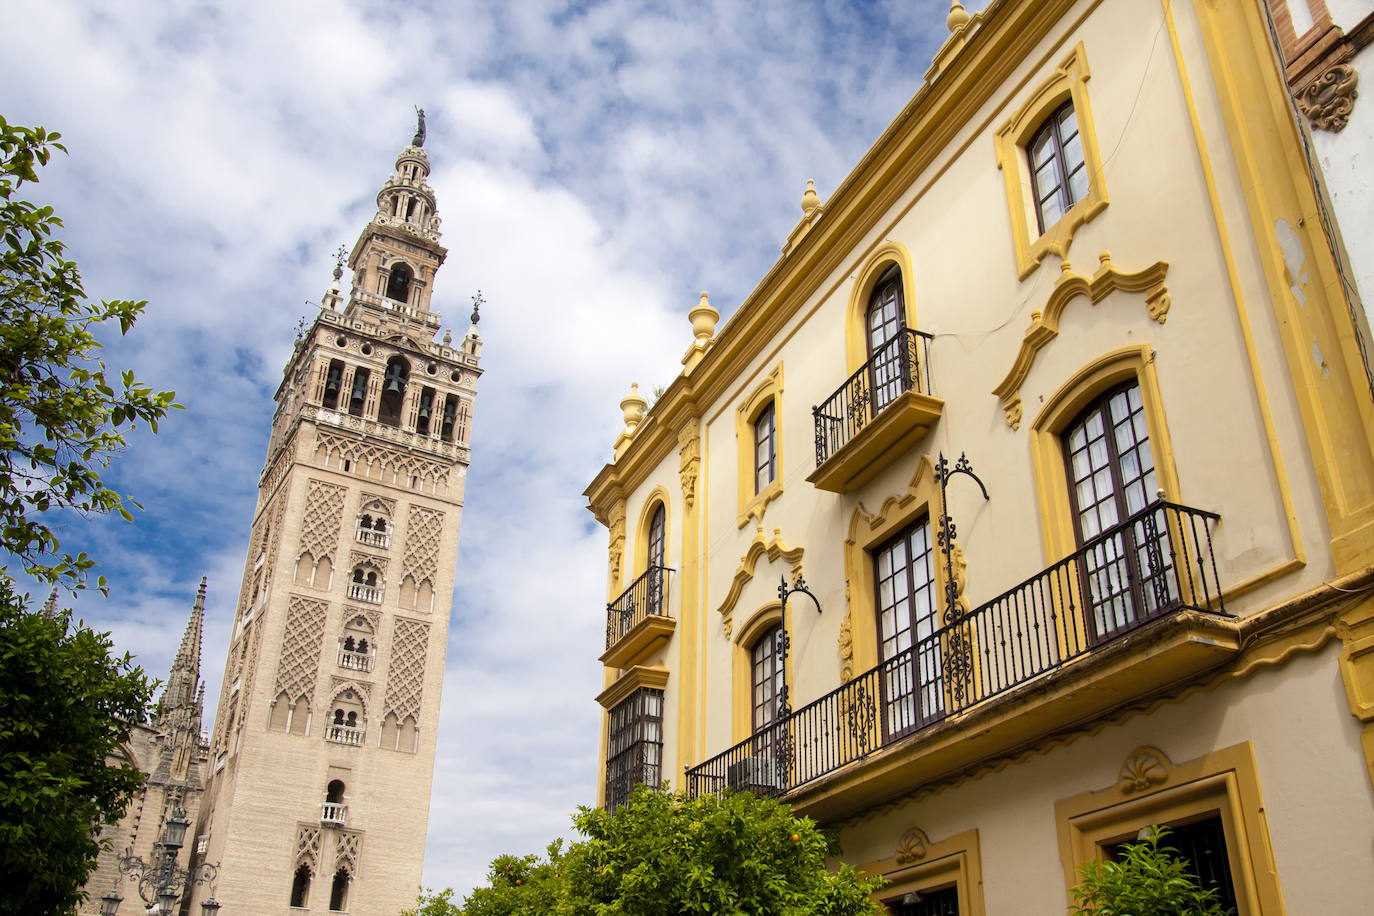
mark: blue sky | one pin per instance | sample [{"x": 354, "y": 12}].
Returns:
[{"x": 596, "y": 165}]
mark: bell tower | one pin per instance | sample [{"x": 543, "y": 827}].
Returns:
[{"x": 322, "y": 754}]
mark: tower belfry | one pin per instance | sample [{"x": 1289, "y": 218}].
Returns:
[{"x": 322, "y": 754}]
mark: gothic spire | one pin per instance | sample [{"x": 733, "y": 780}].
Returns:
[
  {"x": 184, "y": 678},
  {"x": 50, "y": 606}
]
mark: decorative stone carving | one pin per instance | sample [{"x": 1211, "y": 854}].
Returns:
[
  {"x": 346, "y": 852},
  {"x": 689, "y": 458},
  {"x": 307, "y": 846},
  {"x": 1328, "y": 99},
  {"x": 367, "y": 459},
  {"x": 616, "y": 548},
  {"x": 912, "y": 846},
  {"x": 406, "y": 677},
  {"x": 357, "y": 558},
  {"x": 1143, "y": 769},
  {"x": 323, "y": 518},
  {"x": 300, "y": 657},
  {"x": 846, "y": 644},
  {"x": 420, "y": 560}
]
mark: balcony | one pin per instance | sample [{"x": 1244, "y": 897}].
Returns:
[
  {"x": 374, "y": 538},
  {"x": 333, "y": 814},
  {"x": 372, "y": 594},
  {"x": 355, "y": 661},
  {"x": 638, "y": 620},
  {"x": 1135, "y": 610},
  {"x": 344, "y": 734},
  {"x": 880, "y": 411}
]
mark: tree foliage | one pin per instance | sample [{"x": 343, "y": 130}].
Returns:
[
  {"x": 665, "y": 854},
  {"x": 62, "y": 413},
  {"x": 66, "y": 703},
  {"x": 63, "y": 701},
  {"x": 1147, "y": 880}
]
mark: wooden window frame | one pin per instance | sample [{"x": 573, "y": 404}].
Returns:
[
  {"x": 919, "y": 716},
  {"x": 765, "y": 448},
  {"x": 1052, "y": 127},
  {"x": 753, "y": 499},
  {"x": 632, "y": 717}
]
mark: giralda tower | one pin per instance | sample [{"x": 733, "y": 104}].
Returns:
[{"x": 323, "y": 749}]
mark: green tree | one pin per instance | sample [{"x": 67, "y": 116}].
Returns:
[
  {"x": 663, "y": 854},
  {"x": 65, "y": 701},
  {"x": 1146, "y": 880}
]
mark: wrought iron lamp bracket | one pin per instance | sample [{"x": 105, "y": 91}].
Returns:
[{"x": 946, "y": 531}]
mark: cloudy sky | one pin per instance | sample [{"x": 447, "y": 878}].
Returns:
[{"x": 596, "y": 165}]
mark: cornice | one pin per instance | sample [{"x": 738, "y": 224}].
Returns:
[{"x": 943, "y": 105}]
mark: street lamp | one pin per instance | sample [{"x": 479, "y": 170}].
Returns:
[{"x": 162, "y": 881}]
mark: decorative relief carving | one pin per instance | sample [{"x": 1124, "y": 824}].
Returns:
[
  {"x": 846, "y": 644},
  {"x": 324, "y": 504},
  {"x": 406, "y": 677},
  {"x": 912, "y": 846},
  {"x": 1143, "y": 769},
  {"x": 373, "y": 617},
  {"x": 357, "y": 558},
  {"x": 338, "y": 685},
  {"x": 1044, "y": 325},
  {"x": 389, "y": 504},
  {"x": 1327, "y": 100},
  {"x": 347, "y": 851},
  {"x": 424, "y": 529},
  {"x": 775, "y": 549},
  {"x": 689, "y": 458},
  {"x": 616, "y": 548},
  {"x": 308, "y": 846},
  {"x": 300, "y": 656},
  {"x": 367, "y": 459}
]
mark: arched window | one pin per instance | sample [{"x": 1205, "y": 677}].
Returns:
[
  {"x": 349, "y": 644},
  {"x": 766, "y": 678},
  {"x": 425, "y": 412},
  {"x": 885, "y": 320},
  {"x": 398, "y": 284},
  {"x": 333, "y": 380},
  {"x": 1110, "y": 467},
  {"x": 362, "y": 646},
  {"x": 365, "y": 522},
  {"x": 656, "y": 557},
  {"x": 352, "y": 720},
  {"x": 338, "y": 717},
  {"x": 338, "y": 891},
  {"x": 379, "y": 525},
  {"x": 357, "y": 395},
  {"x": 372, "y": 578},
  {"x": 765, "y": 448},
  {"x": 393, "y": 391},
  {"x": 1059, "y": 177},
  {"x": 334, "y": 792},
  {"x": 300, "y": 887},
  {"x": 908, "y": 616},
  {"x": 358, "y": 575}
]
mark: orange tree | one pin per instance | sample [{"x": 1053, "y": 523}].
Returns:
[{"x": 665, "y": 854}]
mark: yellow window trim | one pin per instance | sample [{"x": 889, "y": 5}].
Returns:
[
  {"x": 1069, "y": 82},
  {"x": 655, "y": 677},
  {"x": 856, "y": 314},
  {"x": 1052, "y": 485},
  {"x": 742, "y": 718},
  {"x": 769, "y": 391},
  {"x": 1150, "y": 790},
  {"x": 920, "y": 865},
  {"x": 859, "y": 631}
]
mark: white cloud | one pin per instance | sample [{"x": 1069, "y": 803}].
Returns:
[{"x": 596, "y": 164}]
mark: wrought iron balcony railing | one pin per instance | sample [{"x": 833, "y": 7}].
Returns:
[
  {"x": 900, "y": 365},
  {"x": 646, "y": 597},
  {"x": 1155, "y": 563},
  {"x": 333, "y": 814}
]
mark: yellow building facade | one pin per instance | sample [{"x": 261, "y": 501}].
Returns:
[{"x": 1057, "y": 408}]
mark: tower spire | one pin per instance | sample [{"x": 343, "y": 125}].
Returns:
[{"x": 184, "y": 679}]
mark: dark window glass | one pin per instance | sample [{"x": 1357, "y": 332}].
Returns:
[
  {"x": 300, "y": 887},
  {"x": 1126, "y": 570},
  {"x": 942, "y": 902},
  {"x": 886, "y": 319},
  {"x": 766, "y": 677},
  {"x": 658, "y": 532},
  {"x": 765, "y": 449},
  {"x": 338, "y": 891},
  {"x": 1202, "y": 844},
  {"x": 398, "y": 284},
  {"x": 635, "y": 745},
  {"x": 908, "y": 617},
  {"x": 1059, "y": 176}
]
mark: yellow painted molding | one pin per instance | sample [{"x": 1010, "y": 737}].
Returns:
[
  {"x": 858, "y": 639},
  {"x": 1044, "y": 326},
  {"x": 918, "y": 864},
  {"x": 1135, "y": 362},
  {"x": 689, "y": 461},
  {"x": 768, "y": 391},
  {"x": 774, "y": 549},
  {"x": 1069, "y": 81},
  {"x": 1356, "y": 630},
  {"x": 886, "y": 255},
  {"x": 654, "y": 677},
  {"x": 1152, "y": 790}
]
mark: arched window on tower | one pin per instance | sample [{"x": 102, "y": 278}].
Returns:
[
  {"x": 334, "y": 811},
  {"x": 393, "y": 391},
  {"x": 333, "y": 379},
  {"x": 300, "y": 887},
  {"x": 426, "y": 411},
  {"x": 398, "y": 284},
  {"x": 357, "y": 397},
  {"x": 338, "y": 891}
]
